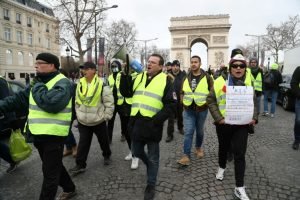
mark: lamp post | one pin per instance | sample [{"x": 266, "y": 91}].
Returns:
[
  {"x": 68, "y": 55},
  {"x": 145, "y": 41},
  {"x": 258, "y": 43}
]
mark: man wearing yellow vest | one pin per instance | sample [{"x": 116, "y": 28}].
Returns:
[
  {"x": 94, "y": 105},
  {"x": 49, "y": 101},
  {"x": 195, "y": 89},
  {"x": 153, "y": 101}
]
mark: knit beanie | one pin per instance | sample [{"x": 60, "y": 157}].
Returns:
[
  {"x": 49, "y": 58},
  {"x": 237, "y": 57}
]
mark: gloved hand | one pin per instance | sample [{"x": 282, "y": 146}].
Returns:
[{"x": 35, "y": 80}]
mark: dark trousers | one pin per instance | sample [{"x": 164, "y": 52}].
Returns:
[
  {"x": 124, "y": 129},
  {"x": 54, "y": 171},
  {"x": 70, "y": 141},
  {"x": 110, "y": 126},
  {"x": 86, "y": 135},
  {"x": 179, "y": 110},
  {"x": 297, "y": 121},
  {"x": 170, "y": 128},
  {"x": 235, "y": 136}
]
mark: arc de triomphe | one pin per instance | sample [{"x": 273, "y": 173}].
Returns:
[{"x": 211, "y": 30}]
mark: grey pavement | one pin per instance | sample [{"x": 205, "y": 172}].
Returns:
[{"x": 272, "y": 171}]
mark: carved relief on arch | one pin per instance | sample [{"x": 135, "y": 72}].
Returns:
[
  {"x": 179, "y": 56},
  {"x": 219, "y": 39},
  {"x": 179, "y": 41},
  {"x": 204, "y": 37},
  {"x": 219, "y": 58}
]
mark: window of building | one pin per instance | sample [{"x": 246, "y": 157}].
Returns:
[
  {"x": 11, "y": 76},
  {"x": 19, "y": 37},
  {"x": 47, "y": 28},
  {"x": 9, "y": 57},
  {"x": 29, "y": 39},
  {"x": 30, "y": 59},
  {"x": 5, "y": 14},
  {"x": 47, "y": 43},
  {"x": 22, "y": 75},
  {"x": 7, "y": 34},
  {"x": 20, "y": 58},
  {"x": 18, "y": 18},
  {"x": 29, "y": 21}
]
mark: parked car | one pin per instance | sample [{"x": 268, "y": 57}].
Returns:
[
  {"x": 285, "y": 95},
  {"x": 15, "y": 87}
]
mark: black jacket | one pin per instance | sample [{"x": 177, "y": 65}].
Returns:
[
  {"x": 145, "y": 128},
  {"x": 295, "y": 82},
  {"x": 278, "y": 80},
  {"x": 178, "y": 81}
]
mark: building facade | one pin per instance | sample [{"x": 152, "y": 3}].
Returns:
[{"x": 27, "y": 28}]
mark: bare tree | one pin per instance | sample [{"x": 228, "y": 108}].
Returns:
[
  {"x": 119, "y": 33},
  {"x": 77, "y": 19},
  {"x": 165, "y": 53},
  {"x": 293, "y": 27}
]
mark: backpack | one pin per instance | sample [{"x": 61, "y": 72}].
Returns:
[{"x": 269, "y": 80}]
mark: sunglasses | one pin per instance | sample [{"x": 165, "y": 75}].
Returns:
[{"x": 235, "y": 66}]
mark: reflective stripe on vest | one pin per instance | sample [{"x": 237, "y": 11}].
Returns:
[
  {"x": 219, "y": 84},
  {"x": 41, "y": 122},
  {"x": 148, "y": 100},
  {"x": 257, "y": 81},
  {"x": 199, "y": 95},
  {"x": 89, "y": 95},
  {"x": 120, "y": 97}
]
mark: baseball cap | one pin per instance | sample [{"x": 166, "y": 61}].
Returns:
[{"x": 88, "y": 65}]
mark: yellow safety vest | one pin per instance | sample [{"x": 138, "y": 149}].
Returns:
[
  {"x": 41, "y": 122},
  {"x": 111, "y": 82},
  {"x": 219, "y": 84},
  {"x": 148, "y": 100},
  {"x": 120, "y": 97},
  {"x": 257, "y": 81},
  {"x": 89, "y": 95},
  {"x": 199, "y": 95}
]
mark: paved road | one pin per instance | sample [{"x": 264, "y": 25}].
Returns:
[{"x": 273, "y": 169}]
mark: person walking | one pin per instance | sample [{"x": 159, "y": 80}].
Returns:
[
  {"x": 94, "y": 105},
  {"x": 272, "y": 80},
  {"x": 115, "y": 68},
  {"x": 153, "y": 101},
  {"x": 48, "y": 99},
  {"x": 194, "y": 92},
  {"x": 232, "y": 136},
  {"x": 295, "y": 85}
]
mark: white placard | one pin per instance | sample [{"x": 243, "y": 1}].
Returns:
[{"x": 239, "y": 105}]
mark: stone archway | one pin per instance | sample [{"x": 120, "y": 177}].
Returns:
[{"x": 211, "y": 30}]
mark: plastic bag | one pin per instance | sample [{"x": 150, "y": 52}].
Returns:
[{"x": 19, "y": 149}]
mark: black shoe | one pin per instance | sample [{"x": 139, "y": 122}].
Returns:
[
  {"x": 229, "y": 156},
  {"x": 149, "y": 192},
  {"x": 107, "y": 160},
  {"x": 77, "y": 170},
  {"x": 169, "y": 138},
  {"x": 12, "y": 168},
  {"x": 296, "y": 145}
]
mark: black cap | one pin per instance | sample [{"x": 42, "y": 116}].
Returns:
[
  {"x": 235, "y": 52},
  {"x": 176, "y": 62},
  {"x": 87, "y": 65},
  {"x": 49, "y": 58}
]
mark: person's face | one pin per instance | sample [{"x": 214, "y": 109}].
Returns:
[
  {"x": 253, "y": 63},
  {"x": 153, "y": 66},
  {"x": 44, "y": 67},
  {"x": 195, "y": 64},
  {"x": 89, "y": 73},
  {"x": 169, "y": 67},
  {"x": 238, "y": 69},
  {"x": 175, "y": 68}
]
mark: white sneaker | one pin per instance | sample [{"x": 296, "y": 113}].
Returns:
[
  {"x": 220, "y": 174},
  {"x": 241, "y": 193},
  {"x": 129, "y": 156},
  {"x": 134, "y": 163}
]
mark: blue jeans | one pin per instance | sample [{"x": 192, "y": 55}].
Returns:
[
  {"x": 193, "y": 120},
  {"x": 297, "y": 121},
  {"x": 151, "y": 159},
  {"x": 273, "y": 94}
]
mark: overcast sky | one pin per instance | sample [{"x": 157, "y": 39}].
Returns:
[{"x": 152, "y": 17}]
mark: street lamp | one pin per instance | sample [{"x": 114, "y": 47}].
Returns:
[
  {"x": 145, "y": 41},
  {"x": 68, "y": 55},
  {"x": 258, "y": 43},
  {"x": 96, "y": 12}
]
